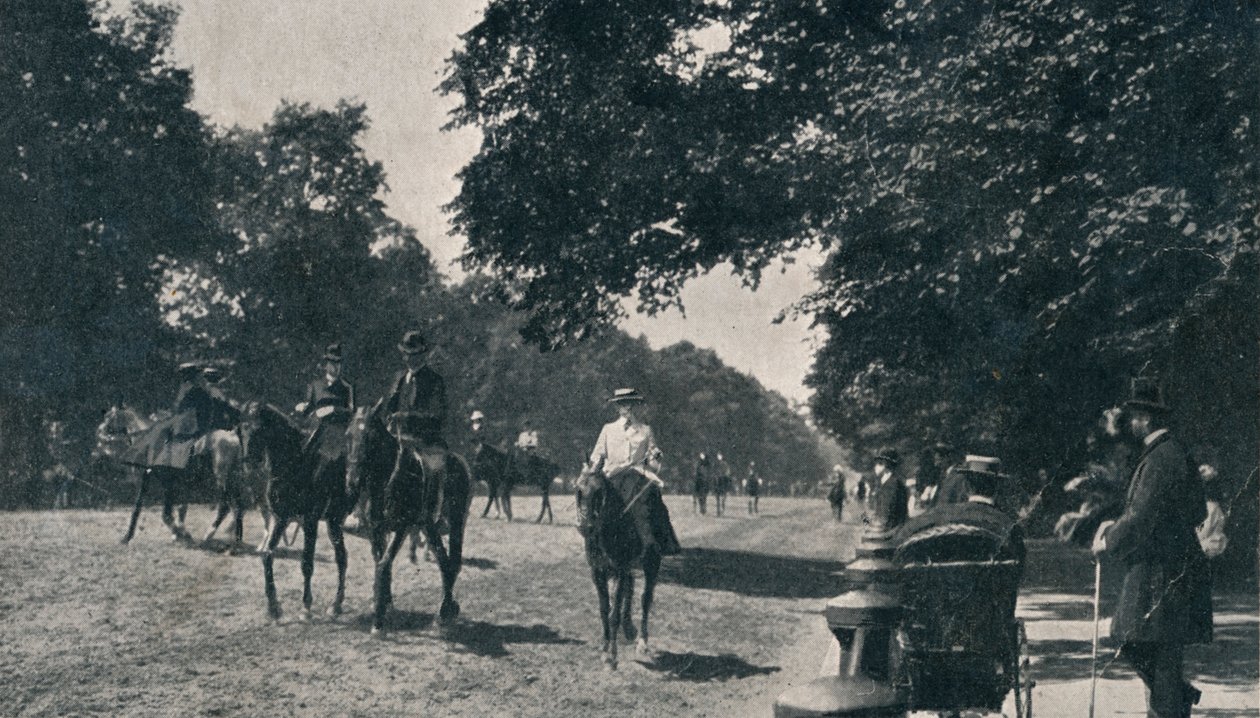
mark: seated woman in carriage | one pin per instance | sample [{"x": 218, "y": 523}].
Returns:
[{"x": 961, "y": 567}]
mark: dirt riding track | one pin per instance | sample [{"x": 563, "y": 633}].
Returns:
[
  {"x": 156, "y": 628},
  {"x": 89, "y": 627}
]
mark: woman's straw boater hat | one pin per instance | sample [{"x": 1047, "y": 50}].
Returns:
[
  {"x": 189, "y": 370},
  {"x": 1145, "y": 395},
  {"x": 333, "y": 352},
  {"x": 213, "y": 374},
  {"x": 476, "y": 416},
  {"x": 413, "y": 342},
  {"x": 626, "y": 396},
  {"x": 983, "y": 465}
]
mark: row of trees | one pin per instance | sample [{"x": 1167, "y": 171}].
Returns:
[
  {"x": 1025, "y": 203},
  {"x": 139, "y": 236}
]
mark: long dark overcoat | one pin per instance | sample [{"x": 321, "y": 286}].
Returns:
[{"x": 1167, "y": 592}]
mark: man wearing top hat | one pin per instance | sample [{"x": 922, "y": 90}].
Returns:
[
  {"x": 224, "y": 416},
  {"x": 415, "y": 409},
  {"x": 627, "y": 446},
  {"x": 1166, "y": 598},
  {"x": 888, "y": 500},
  {"x": 330, "y": 400}
]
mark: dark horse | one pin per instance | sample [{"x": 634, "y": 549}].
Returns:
[
  {"x": 301, "y": 488},
  {"x": 613, "y": 548},
  {"x": 489, "y": 465},
  {"x": 529, "y": 469},
  {"x": 395, "y": 507}
]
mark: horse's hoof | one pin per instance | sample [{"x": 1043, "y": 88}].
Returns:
[
  {"x": 377, "y": 632},
  {"x": 643, "y": 652},
  {"x": 334, "y": 610},
  {"x": 610, "y": 663},
  {"x": 449, "y": 611},
  {"x": 306, "y": 614},
  {"x": 629, "y": 631},
  {"x": 274, "y": 612}
]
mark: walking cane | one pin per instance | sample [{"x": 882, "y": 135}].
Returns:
[{"x": 1093, "y": 664}]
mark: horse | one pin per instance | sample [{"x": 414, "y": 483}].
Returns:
[
  {"x": 300, "y": 487},
  {"x": 395, "y": 503},
  {"x": 490, "y": 466},
  {"x": 613, "y": 548},
  {"x": 530, "y": 469},
  {"x": 218, "y": 452}
]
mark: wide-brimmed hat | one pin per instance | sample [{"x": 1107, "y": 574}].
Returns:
[
  {"x": 333, "y": 352},
  {"x": 476, "y": 416},
  {"x": 626, "y": 396},
  {"x": 889, "y": 456},
  {"x": 413, "y": 342},
  {"x": 213, "y": 374},
  {"x": 1145, "y": 394},
  {"x": 188, "y": 370},
  {"x": 985, "y": 465}
]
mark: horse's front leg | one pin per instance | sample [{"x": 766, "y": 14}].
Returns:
[
  {"x": 449, "y": 569},
  {"x": 384, "y": 574},
  {"x": 168, "y": 509},
  {"x": 310, "y": 533},
  {"x": 505, "y": 498},
  {"x": 135, "y": 512},
  {"x": 626, "y": 608},
  {"x": 605, "y": 620},
  {"x": 338, "y": 539},
  {"x": 269, "y": 581}
]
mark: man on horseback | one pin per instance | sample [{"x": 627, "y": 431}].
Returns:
[
  {"x": 224, "y": 415},
  {"x": 330, "y": 401},
  {"x": 416, "y": 407},
  {"x": 627, "y": 449}
]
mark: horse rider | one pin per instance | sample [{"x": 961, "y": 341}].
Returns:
[
  {"x": 172, "y": 442},
  {"x": 888, "y": 499},
  {"x": 752, "y": 487},
  {"x": 527, "y": 441},
  {"x": 625, "y": 448},
  {"x": 328, "y": 407},
  {"x": 224, "y": 416},
  {"x": 1166, "y": 599},
  {"x": 58, "y": 471},
  {"x": 415, "y": 408}
]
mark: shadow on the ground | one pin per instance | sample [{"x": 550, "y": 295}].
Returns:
[
  {"x": 491, "y": 640},
  {"x": 484, "y": 564},
  {"x": 753, "y": 574},
  {"x": 699, "y": 667},
  {"x": 1230, "y": 660},
  {"x": 224, "y": 546}
]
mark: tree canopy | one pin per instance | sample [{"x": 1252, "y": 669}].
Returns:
[{"x": 1020, "y": 199}]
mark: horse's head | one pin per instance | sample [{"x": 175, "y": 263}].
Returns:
[{"x": 366, "y": 440}]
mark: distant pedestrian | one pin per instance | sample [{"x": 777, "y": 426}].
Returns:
[
  {"x": 836, "y": 493},
  {"x": 700, "y": 483},
  {"x": 722, "y": 486},
  {"x": 752, "y": 487},
  {"x": 888, "y": 502}
]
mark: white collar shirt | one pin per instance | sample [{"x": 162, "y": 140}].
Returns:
[
  {"x": 1153, "y": 436},
  {"x": 623, "y": 444}
]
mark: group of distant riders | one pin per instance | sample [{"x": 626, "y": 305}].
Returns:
[
  {"x": 713, "y": 476},
  {"x": 416, "y": 406}
]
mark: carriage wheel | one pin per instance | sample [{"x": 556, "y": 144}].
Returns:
[{"x": 1023, "y": 682}]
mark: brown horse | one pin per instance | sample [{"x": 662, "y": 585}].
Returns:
[
  {"x": 399, "y": 496},
  {"x": 303, "y": 488},
  {"x": 613, "y": 548},
  {"x": 489, "y": 465}
]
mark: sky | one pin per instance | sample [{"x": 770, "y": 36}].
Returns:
[{"x": 247, "y": 56}]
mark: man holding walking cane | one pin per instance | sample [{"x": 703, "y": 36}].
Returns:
[{"x": 1166, "y": 599}]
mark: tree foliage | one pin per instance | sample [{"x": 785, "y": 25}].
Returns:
[{"x": 1020, "y": 199}]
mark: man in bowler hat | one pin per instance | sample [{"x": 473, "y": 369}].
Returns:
[
  {"x": 415, "y": 408},
  {"x": 330, "y": 400},
  {"x": 888, "y": 501},
  {"x": 1166, "y": 599}
]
